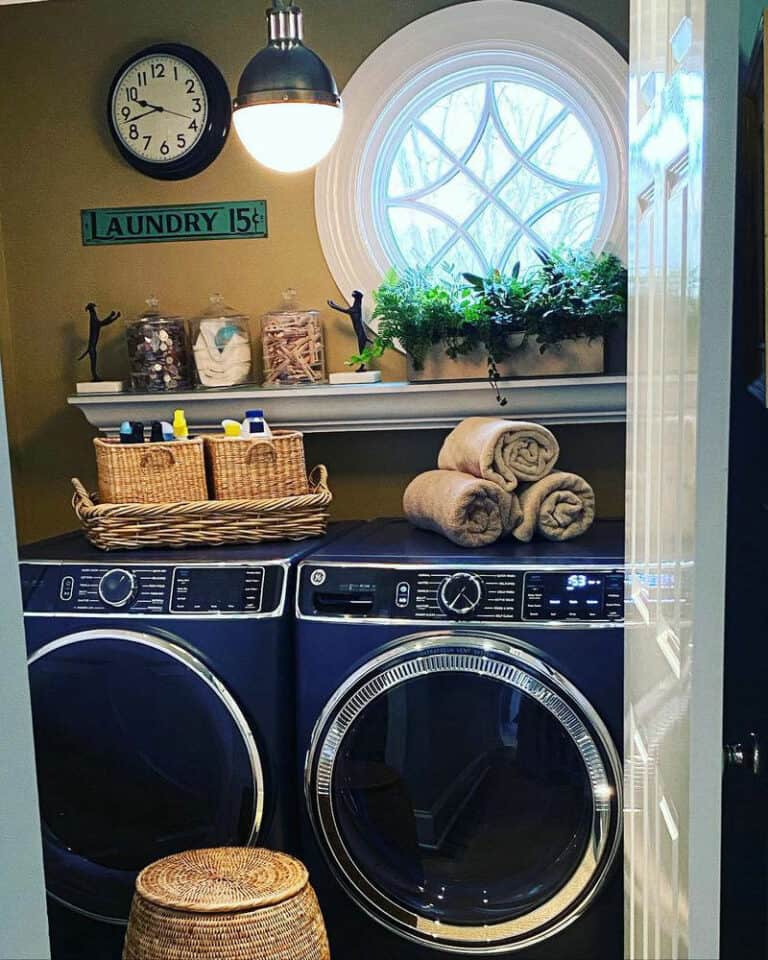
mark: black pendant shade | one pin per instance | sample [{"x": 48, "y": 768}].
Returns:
[
  {"x": 288, "y": 110},
  {"x": 286, "y": 70}
]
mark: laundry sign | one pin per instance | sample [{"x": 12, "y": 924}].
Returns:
[{"x": 241, "y": 220}]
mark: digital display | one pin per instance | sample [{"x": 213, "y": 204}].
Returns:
[
  {"x": 217, "y": 589},
  {"x": 564, "y": 596},
  {"x": 576, "y": 581}
]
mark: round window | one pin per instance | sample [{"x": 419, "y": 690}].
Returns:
[{"x": 473, "y": 137}]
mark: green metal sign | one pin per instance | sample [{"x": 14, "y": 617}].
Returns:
[{"x": 242, "y": 220}]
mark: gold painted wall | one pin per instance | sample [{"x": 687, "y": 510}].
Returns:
[{"x": 56, "y": 157}]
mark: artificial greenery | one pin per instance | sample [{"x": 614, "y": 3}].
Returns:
[
  {"x": 575, "y": 294},
  {"x": 420, "y": 310},
  {"x": 572, "y": 294}
]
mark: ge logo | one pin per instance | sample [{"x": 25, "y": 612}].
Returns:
[{"x": 318, "y": 578}]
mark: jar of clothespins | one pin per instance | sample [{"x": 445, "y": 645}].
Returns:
[{"x": 293, "y": 345}]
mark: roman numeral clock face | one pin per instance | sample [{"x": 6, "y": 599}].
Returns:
[{"x": 169, "y": 111}]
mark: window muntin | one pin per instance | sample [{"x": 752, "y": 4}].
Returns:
[
  {"x": 484, "y": 173},
  {"x": 509, "y": 42}
]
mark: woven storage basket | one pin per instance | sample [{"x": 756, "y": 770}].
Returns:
[
  {"x": 131, "y": 526},
  {"x": 150, "y": 472},
  {"x": 253, "y": 469},
  {"x": 232, "y": 903}
]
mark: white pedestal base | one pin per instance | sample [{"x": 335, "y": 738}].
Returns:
[
  {"x": 102, "y": 386},
  {"x": 369, "y": 376}
]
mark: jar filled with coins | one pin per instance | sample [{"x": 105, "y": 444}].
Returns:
[{"x": 158, "y": 351}]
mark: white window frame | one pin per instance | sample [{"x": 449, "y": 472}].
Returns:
[{"x": 588, "y": 74}]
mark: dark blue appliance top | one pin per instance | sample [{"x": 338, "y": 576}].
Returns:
[
  {"x": 74, "y": 548},
  {"x": 396, "y": 540}
]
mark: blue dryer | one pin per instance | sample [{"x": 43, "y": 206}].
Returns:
[
  {"x": 460, "y": 725},
  {"x": 163, "y": 709}
]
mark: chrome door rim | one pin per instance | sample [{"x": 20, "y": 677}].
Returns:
[
  {"x": 189, "y": 660},
  {"x": 378, "y": 676}
]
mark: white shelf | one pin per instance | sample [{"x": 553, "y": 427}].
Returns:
[{"x": 373, "y": 406}]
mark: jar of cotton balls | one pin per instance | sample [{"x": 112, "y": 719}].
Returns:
[
  {"x": 221, "y": 345},
  {"x": 158, "y": 350}
]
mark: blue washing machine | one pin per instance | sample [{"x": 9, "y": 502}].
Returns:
[
  {"x": 460, "y": 726},
  {"x": 163, "y": 709}
]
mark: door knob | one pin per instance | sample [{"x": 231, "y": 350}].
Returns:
[{"x": 744, "y": 756}]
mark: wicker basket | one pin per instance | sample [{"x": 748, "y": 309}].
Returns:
[
  {"x": 254, "y": 469},
  {"x": 207, "y": 523},
  {"x": 232, "y": 903},
  {"x": 150, "y": 472}
]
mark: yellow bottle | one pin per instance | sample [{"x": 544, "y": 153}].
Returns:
[{"x": 180, "y": 428}]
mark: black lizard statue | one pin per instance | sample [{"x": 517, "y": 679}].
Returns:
[{"x": 94, "y": 332}]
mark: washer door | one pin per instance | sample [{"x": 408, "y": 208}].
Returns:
[
  {"x": 141, "y": 752},
  {"x": 465, "y": 793}
]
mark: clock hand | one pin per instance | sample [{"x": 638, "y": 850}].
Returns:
[
  {"x": 144, "y": 103},
  {"x": 146, "y": 114},
  {"x": 166, "y": 110}
]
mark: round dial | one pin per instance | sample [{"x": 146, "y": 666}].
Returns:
[
  {"x": 460, "y": 594},
  {"x": 118, "y": 587},
  {"x": 169, "y": 111}
]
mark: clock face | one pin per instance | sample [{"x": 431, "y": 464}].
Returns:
[
  {"x": 169, "y": 111},
  {"x": 160, "y": 108}
]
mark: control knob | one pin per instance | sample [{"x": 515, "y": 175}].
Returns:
[
  {"x": 460, "y": 594},
  {"x": 118, "y": 587}
]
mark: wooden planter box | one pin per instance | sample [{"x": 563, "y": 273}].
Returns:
[{"x": 569, "y": 358}]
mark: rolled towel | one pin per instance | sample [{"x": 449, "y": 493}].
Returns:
[
  {"x": 560, "y": 507},
  {"x": 504, "y": 451},
  {"x": 469, "y": 511}
]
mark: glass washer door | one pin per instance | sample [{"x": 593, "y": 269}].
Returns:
[
  {"x": 141, "y": 752},
  {"x": 465, "y": 793}
]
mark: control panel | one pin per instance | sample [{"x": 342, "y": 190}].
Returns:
[
  {"x": 131, "y": 589},
  {"x": 481, "y": 594}
]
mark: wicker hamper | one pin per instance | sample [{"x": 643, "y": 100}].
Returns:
[
  {"x": 242, "y": 469},
  {"x": 150, "y": 472},
  {"x": 233, "y": 903}
]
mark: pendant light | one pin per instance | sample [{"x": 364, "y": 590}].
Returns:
[{"x": 288, "y": 110}]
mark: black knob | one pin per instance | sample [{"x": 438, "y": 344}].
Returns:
[
  {"x": 118, "y": 587},
  {"x": 460, "y": 594}
]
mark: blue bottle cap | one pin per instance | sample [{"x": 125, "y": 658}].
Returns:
[
  {"x": 125, "y": 427},
  {"x": 255, "y": 414}
]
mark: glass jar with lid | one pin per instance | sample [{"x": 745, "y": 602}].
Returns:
[
  {"x": 158, "y": 351},
  {"x": 293, "y": 345},
  {"x": 221, "y": 345}
]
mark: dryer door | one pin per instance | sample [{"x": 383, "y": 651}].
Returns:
[
  {"x": 141, "y": 752},
  {"x": 465, "y": 793}
]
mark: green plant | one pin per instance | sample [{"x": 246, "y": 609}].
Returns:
[
  {"x": 574, "y": 294},
  {"x": 419, "y": 311}
]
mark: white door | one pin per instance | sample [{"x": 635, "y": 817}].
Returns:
[{"x": 683, "y": 101}]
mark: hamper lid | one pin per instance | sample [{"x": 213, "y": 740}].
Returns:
[{"x": 222, "y": 880}]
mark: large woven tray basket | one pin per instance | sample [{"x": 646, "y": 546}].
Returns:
[
  {"x": 232, "y": 903},
  {"x": 131, "y": 526}
]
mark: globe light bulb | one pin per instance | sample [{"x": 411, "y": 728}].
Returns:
[{"x": 289, "y": 137}]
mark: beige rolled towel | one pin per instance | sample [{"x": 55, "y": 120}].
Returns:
[
  {"x": 560, "y": 507},
  {"x": 469, "y": 511},
  {"x": 504, "y": 451}
]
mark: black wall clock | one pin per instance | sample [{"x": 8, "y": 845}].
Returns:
[{"x": 169, "y": 111}]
